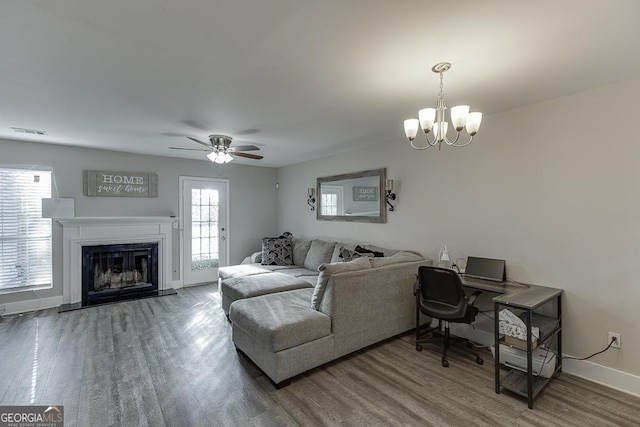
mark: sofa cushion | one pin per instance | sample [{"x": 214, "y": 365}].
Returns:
[
  {"x": 300, "y": 250},
  {"x": 402, "y": 256},
  {"x": 311, "y": 279},
  {"x": 319, "y": 253},
  {"x": 277, "y": 251},
  {"x": 260, "y": 284},
  {"x": 240, "y": 270},
  {"x": 326, "y": 270},
  {"x": 280, "y": 321}
]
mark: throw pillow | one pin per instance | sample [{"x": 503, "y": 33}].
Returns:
[
  {"x": 362, "y": 250},
  {"x": 276, "y": 251},
  {"x": 326, "y": 270},
  {"x": 319, "y": 253},
  {"x": 335, "y": 257},
  {"x": 347, "y": 255}
]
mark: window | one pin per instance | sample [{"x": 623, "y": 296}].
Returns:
[
  {"x": 204, "y": 228},
  {"x": 25, "y": 237},
  {"x": 331, "y": 203}
]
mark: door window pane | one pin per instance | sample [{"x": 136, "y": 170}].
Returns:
[{"x": 204, "y": 229}]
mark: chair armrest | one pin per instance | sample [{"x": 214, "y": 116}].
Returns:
[{"x": 472, "y": 298}]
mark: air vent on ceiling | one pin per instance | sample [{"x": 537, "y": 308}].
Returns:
[{"x": 31, "y": 131}]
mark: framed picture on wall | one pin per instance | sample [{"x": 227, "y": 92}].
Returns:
[{"x": 365, "y": 194}]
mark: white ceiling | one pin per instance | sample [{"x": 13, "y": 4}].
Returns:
[{"x": 300, "y": 78}]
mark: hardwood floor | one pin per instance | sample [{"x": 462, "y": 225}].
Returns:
[{"x": 170, "y": 361}]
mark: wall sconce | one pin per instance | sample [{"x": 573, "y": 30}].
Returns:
[
  {"x": 390, "y": 195},
  {"x": 311, "y": 200}
]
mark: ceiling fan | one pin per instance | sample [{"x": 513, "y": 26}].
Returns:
[{"x": 220, "y": 150}]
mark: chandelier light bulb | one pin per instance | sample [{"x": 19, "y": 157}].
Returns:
[
  {"x": 427, "y": 116},
  {"x": 436, "y": 128},
  {"x": 411, "y": 128},
  {"x": 459, "y": 116},
  {"x": 473, "y": 123}
]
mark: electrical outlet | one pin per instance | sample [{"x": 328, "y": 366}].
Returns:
[{"x": 618, "y": 342}]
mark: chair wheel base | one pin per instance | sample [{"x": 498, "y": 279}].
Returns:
[
  {"x": 418, "y": 347},
  {"x": 445, "y": 363},
  {"x": 479, "y": 361}
]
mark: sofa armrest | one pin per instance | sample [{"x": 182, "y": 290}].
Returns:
[
  {"x": 254, "y": 258},
  {"x": 371, "y": 304}
]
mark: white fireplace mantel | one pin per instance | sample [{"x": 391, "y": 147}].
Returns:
[{"x": 90, "y": 231}]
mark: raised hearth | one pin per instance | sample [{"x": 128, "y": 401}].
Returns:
[{"x": 141, "y": 250}]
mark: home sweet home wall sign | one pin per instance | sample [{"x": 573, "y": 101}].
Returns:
[{"x": 120, "y": 184}]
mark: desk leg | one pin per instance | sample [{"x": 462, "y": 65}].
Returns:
[
  {"x": 559, "y": 313},
  {"x": 529, "y": 362},
  {"x": 496, "y": 334}
]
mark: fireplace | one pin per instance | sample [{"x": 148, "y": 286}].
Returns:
[
  {"x": 80, "y": 233},
  {"x": 119, "y": 271}
]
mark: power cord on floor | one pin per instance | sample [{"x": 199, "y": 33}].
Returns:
[{"x": 613, "y": 339}]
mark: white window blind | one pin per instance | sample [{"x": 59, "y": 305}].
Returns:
[{"x": 25, "y": 237}]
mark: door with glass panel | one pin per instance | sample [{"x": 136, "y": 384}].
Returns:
[{"x": 204, "y": 228}]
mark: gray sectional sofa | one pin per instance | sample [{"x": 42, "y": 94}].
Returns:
[{"x": 291, "y": 318}]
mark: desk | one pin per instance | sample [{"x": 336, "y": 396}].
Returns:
[{"x": 527, "y": 298}]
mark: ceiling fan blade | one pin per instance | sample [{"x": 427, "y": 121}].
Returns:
[
  {"x": 190, "y": 149},
  {"x": 245, "y": 148},
  {"x": 200, "y": 142},
  {"x": 247, "y": 155}
]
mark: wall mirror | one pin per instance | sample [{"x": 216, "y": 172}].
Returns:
[{"x": 355, "y": 196}]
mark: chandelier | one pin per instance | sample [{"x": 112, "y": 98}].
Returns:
[{"x": 433, "y": 119}]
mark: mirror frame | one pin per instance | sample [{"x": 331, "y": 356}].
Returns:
[{"x": 382, "y": 176}]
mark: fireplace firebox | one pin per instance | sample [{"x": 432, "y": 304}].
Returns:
[{"x": 119, "y": 272}]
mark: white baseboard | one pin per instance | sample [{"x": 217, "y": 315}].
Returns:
[
  {"x": 31, "y": 305},
  {"x": 604, "y": 375}
]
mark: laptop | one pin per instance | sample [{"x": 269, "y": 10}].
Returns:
[{"x": 486, "y": 269}]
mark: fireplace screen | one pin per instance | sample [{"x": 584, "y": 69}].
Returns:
[{"x": 115, "y": 272}]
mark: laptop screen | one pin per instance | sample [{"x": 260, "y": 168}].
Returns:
[{"x": 485, "y": 268}]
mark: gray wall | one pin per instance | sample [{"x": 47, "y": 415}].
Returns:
[
  {"x": 249, "y": 187},
  {"x": 551, "y": 188}
]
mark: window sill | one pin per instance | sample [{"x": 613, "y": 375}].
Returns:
[{"x": 9, "y": 291}]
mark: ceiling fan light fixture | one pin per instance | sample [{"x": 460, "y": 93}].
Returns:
[
  {"x": 219, "y": 151},
  {"x": 220, "y": 158}
]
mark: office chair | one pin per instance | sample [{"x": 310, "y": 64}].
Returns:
[{"x": 439, "y": 294}]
